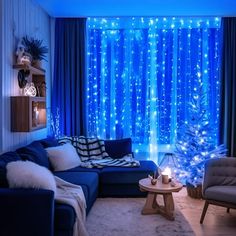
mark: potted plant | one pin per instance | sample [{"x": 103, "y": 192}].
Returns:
[{"x": 35, "y": 48}]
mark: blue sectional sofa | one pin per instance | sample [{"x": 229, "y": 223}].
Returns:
[{"x": 27, "y": 212}]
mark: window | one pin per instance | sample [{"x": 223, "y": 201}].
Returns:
[{"x": 142, "y": 72}]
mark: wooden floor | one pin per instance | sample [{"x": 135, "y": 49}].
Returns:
[{"x": 217, "y": 221}]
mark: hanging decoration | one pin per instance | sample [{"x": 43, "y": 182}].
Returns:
[{"x": 30, "y": 90}]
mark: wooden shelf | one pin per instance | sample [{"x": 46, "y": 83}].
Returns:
[
  {"x": 34, "y": 70},
  {"x": 29, "y": 113},
  {"x": 40, "y": 126}
]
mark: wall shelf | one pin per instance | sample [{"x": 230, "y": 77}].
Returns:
[
  {"x": 29, "y": 113},
  {"x": 34, "y": 70}
]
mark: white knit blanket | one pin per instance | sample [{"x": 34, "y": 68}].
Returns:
[{"x": 73, "y": 195}]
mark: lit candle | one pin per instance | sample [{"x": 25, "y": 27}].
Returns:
[{"x": 166, "y": 175}]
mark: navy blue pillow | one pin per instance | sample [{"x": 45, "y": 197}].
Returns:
[
  {"x": 118, "y": 148},
  {"x": 49, "y": 142},
  {"x": 5, "y": 158},
  {"x": 34, "y": 152}
]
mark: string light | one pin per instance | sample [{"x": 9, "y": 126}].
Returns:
[{"x": 142, "y": 72}]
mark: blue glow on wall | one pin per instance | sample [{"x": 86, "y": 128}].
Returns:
[{"x": 142, "y": 72}]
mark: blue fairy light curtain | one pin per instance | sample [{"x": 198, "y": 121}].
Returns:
[{"x": 142, "y": 72}]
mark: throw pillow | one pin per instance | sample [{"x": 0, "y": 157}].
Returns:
[
  {"x": 49, "y": 142},
  {"x": 5, "y": 158},
  {"x": 118, "y": 148},
  {"x": 26, "y": 174},
  {"x": 34, "y": 152},
  {"x": 63, "y": 157}
]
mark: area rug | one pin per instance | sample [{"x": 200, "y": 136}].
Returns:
[{"x": 122, "y": 217}]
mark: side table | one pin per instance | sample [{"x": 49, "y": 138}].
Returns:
[{"x": 151, "y": 206}]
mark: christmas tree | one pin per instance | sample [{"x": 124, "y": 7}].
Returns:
[{"x": 195, "y": 141}]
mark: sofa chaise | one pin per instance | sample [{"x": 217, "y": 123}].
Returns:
[{"x": 34, "y": 211}]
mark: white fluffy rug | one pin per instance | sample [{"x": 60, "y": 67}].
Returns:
[{"x": 122, "y": 217}]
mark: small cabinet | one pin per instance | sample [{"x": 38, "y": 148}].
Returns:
[{"x": 29, "y": 113}]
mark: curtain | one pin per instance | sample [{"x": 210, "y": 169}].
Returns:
[
  {"x": 142, "y": 74},
  {"x": 228, "y": 110},
  {"x": 69, "y": 75}
]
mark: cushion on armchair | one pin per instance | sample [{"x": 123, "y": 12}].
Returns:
[
  {"x": 4, "y": 160},
  {"x": 118, "y": 148},
  {"x": 34, "y": 152}
]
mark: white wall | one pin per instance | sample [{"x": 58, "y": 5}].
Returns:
[{"x": 19, "y": 18}]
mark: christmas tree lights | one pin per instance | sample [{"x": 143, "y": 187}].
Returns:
[
  {"x": 141, "y": 75},
  {"x": 195, "y": 140}
]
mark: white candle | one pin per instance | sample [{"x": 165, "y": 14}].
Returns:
[{"x": 166, "y": 175}]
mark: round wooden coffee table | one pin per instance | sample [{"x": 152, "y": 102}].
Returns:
[{"x": 151, "y": 206}]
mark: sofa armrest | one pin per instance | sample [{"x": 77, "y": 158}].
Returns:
[
  {"x": 26, "y": 212},
  {"x": 220, "y": 171}
]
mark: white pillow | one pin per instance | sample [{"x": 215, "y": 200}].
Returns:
[
  {"x": 26, "y": 174},
  {"x": 63, "y": 157}
]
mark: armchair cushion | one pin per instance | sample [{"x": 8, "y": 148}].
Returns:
[
  {"x": 221, "y": 193},
  {"x": 221, "y": 171}
]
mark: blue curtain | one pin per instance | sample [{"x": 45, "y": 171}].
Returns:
[
  {"x": 69, "y": 75},
  {"x": 228, "y": 120}
]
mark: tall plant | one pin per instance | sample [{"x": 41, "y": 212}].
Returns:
[{"x": 35, "y": 48}]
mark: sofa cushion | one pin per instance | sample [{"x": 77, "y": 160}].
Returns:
[
  {"x": 84, "y": 169},
  {"x": 87, "y": 180},
  {"x": 118, "y": 148},
  {"x": 127, "y": 175},
  {"x": 49, "y": 142},
  {"x": 34, "y": 152},
  {"x": 63, "y": 157},
  {"x": 6, "y": 158},
  {"x": 26, "y": 174}
]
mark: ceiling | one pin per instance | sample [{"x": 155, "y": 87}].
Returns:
[{"x": 86, "y": 8}]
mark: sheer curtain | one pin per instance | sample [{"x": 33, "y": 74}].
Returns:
[{"x": 142, "y": 73}]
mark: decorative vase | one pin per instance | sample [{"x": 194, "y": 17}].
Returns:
[
  {"x": 37, "y": 63},
  {"x": 194, "y": 192}
]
